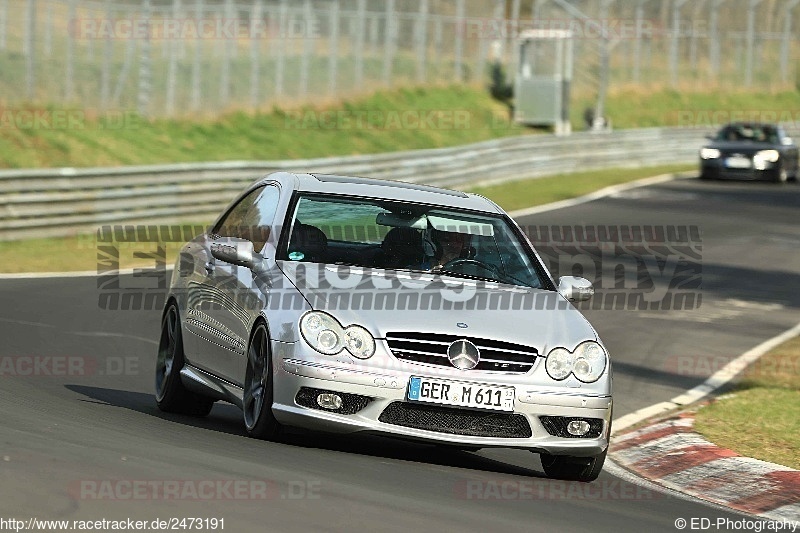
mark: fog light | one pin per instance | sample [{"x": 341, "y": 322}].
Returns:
[
  {"x": 333, "y": 402},
  {"x": 577, "y": 427}
]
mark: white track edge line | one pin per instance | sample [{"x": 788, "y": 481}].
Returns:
[
  {"x": 79, "y": 274},
  {"x": 721, "y": 377}
]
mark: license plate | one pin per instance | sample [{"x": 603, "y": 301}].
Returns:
[
  {"x": 460, "y": 394},
  {"x": 737, "y": 162}
]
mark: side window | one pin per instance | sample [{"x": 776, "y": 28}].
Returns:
[{"x": 252, "y": 217}]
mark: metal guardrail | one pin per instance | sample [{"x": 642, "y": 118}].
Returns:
[{"x": 64, "y": 201}]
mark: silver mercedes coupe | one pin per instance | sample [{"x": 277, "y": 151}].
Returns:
[{"x": 347, "y": 304}]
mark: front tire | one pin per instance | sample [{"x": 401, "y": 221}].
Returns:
[
  {"x": 171, "y": 395},
  {"x": 257, "y": 401},
  {"x": 570, "y": 468}
]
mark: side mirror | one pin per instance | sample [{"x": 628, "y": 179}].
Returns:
[
  {"x": 237, "y": 252},
  {"x": 575, "y": 289},
  {"x": 709, "y": 137}
]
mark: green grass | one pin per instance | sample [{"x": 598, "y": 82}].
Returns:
[
  {"x": 526, "y": 193},
  {"x": 638, "y": 108},
  {"x": 760, "y": 418},
  {"x": 78, "y": 253},
  {"x": 384, "y": 121}
]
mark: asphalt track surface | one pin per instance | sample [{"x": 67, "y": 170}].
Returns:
[{"x": 72, "y": 444}]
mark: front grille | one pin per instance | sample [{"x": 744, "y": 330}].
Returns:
[
  {"x": 351, "y": 403},
  {"x": 557, "y": 426},
  {"x": 456, "y": 421},
  {"x": 431, "y": 348}
]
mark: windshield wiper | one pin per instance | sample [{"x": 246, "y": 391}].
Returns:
[
  {"x": 483, "y": 278},
  {"x": 462, "y": 275}
]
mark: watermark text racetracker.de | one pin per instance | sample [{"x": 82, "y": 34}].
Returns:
[
  {"x": 734, "y": 524},
  {"x": 377, "y": 119},
  {"x": 552, "y": 489},
  {"x": 105, "y": 524},
  {"x": 194, "y": 489},
  {"x": 194, "y": 28},
  {"x": 46, "y": 366},
  {"x": 32, "y": 118},
  {"x": 704, "y": 118},
  {"x": 697, "y": 365},
  {"x": 645, "y": 268}
]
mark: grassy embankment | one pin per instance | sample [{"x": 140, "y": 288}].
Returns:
[
  {"x": 451, "y": 116},
  {"x": 760, "y": 417},
  {"x": 385, "y": 121}
]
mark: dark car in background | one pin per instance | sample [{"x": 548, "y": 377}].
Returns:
[{"x": 750, "y": 151}]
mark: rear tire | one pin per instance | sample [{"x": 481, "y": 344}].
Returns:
[{"x": 171, "y": 395}]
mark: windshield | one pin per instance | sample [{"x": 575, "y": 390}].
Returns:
[
  {"x": 747, "y": 132},
  {"x": 386, "y": 234}
]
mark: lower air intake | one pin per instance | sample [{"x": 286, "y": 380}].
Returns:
[{"x": 456, "y": 421}]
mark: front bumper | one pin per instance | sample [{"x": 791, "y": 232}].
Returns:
[
  {"x": 385, "y": 387},
  {"x": 716, "y": 169}
]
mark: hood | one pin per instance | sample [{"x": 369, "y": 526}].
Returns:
[
  {"x": 742, "y": 147},
  {"x": 385, "y": 301}
]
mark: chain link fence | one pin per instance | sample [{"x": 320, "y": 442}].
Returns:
[{"x": 190, "y": 57}]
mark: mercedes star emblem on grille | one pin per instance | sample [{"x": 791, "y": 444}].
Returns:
[{"x": 463, "y": 354}]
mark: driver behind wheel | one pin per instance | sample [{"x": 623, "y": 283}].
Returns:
[{"x": 448, "y": 246}]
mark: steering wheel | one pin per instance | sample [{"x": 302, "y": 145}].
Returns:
[{"x": 461, "y": 261}]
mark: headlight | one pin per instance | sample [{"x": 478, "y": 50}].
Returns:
[
  {"x": 768, "y": 155},
  {"x": 587, "y": 362},
  {"x": 324, "y": 333},
  {"x": 559, "y": 363},
  {"x": 359, "y": 342},
  {"x": 709, "y": 153},
  {"x": 590, "y": 362}
]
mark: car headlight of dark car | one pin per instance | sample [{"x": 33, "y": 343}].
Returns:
[
  {"x": 770, "y": 156},
  {"x": 587, "y": 362},
  {"x": 709, "y": 153},
  {"x": 324, "y": 333}
]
